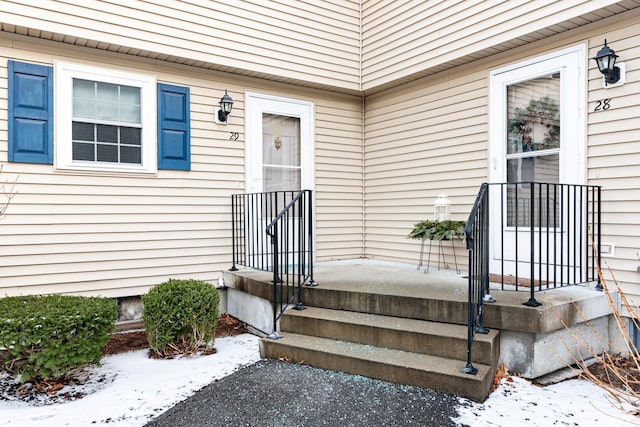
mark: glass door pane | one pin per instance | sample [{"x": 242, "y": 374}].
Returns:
[
  {"x": 281, "y": 166},
  {"x": 533, "y": 109},
  {"x": 533, "y": 148}
]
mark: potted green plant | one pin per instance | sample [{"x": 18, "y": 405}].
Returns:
[{"x": 438, "y": 230}]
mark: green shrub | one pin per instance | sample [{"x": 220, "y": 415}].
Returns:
[
  {"x": 49, "y": 335},
  {"x": 180, "y": 315}
]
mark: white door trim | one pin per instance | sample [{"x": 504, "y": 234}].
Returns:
[{"x": 255, "y": 105}]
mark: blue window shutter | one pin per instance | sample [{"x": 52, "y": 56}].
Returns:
[
  {"x": 174, "y": 134},
  {"x": 30, "y": 113}
]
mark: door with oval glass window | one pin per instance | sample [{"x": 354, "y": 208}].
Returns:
[
  {"x": 537, "y": 142},
  {"x": 279, "y": 158}
]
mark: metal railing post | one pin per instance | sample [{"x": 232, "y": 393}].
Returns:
[
  {"x": 234, "y": 244},
  {"x": 598, "y": 247},
  {"x": 476, "y": 233},
  {"x": 532, "y": 198},
  {"x": 274, "y": 244},
  {"x": 311, "y": 281},
  {"x": 469, "y": 368}
]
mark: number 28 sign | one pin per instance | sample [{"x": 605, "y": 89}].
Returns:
[{"x": 603, "y": 105}]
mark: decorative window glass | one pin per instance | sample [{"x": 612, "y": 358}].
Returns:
[
  {"x": 281, "y": 169},
  {"x": 105, "y": 120}
]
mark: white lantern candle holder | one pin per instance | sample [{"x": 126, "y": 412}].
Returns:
[{"x": 441, "y": 208}]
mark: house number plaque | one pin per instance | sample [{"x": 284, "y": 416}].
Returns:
[
  {"x": 234, "y": 136},
  {"x": 603, "y": 105}
]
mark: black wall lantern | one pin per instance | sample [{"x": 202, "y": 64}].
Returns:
[
  {"x": 606, "y": 60},
  {"x": 226, "y": 103}
]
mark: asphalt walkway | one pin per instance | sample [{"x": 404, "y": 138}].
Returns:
[{"x": 277, "y": 393}]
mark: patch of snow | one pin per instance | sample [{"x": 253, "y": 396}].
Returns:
[
  {"x": 135, "y": 388},
  {"x": 517, "y": 402}
]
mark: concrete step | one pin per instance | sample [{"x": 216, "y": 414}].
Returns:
[
  {"x": 368, "y": 287},
  {"x": 411, "y": 335},
  {"x": 402, "y": 301},
  {"x": 397, "y": 366},
  {"x": 433, "y": 301}
]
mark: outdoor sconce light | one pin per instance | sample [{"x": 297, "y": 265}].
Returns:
[
  {"x": 606, "y": 60},
  {"x": 441, "y": 208},
  {"x": 222, "y": 112}
]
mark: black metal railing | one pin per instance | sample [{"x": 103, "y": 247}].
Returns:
[
  {"x": 545, "y": 235},
  {"x": 273, "y": 232},
  {"x": 533, "y": 236},
  {"x": 476, "y": 234}
]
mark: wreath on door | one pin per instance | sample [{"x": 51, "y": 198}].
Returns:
[{"x": 543, "y": 111}]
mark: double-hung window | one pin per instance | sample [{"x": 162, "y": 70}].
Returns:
[
  {"x": 105, "y": 120},
  {"x": 106, "y": 123}
]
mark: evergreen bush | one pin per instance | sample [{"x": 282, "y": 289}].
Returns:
[
  {"x": 45, "y": 336},
  {"x": 180, "y": 316}
]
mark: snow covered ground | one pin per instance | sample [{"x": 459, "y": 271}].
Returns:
[
  {"x": 130, "y": 389},
  {"x": 136, "y": 388},
  {"x": 517, "y": 402}
]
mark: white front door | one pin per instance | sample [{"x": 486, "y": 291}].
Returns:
[
  {"x": 280, "y": 163},
  {"x": 279, "y": 143},
  {"x": 537, "y": 135}
]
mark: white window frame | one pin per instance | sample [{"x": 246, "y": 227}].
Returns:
[{"x": 65, "y": 72}]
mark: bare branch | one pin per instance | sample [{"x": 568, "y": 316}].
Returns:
[
  {"x": 616, "y": 370},
  {"x": 8, "y": 191}
]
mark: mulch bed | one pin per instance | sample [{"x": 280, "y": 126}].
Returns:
[
  {"x": 620, "y": 372},
  {"x": 121, "y": 342}
]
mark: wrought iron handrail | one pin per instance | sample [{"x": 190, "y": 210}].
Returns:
[
  {"x": 273, "y": 232},
  {"x": 476, "y": 234},
  {"x": 546, "y": 228}
]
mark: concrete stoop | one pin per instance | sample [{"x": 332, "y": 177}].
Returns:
[
  {"x": 404, "y": 351},
  {"x": 413, "y": 325}
]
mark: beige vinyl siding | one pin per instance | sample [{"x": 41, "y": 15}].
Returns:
[
  {"x": 422, "y": 140},
  {"x": 310, "y": 41},
  {"x": 430, "y": 137},
  {"x": 614, "y": 152},
  {"x": 119, "y": 234},
  {"x": 339, "y": 181},
  {"x": 406, "y": 37}
]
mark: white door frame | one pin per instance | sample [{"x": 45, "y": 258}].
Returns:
[
  {"x": 255, "y": 105},
  {"x": 571, "y": 65}
]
